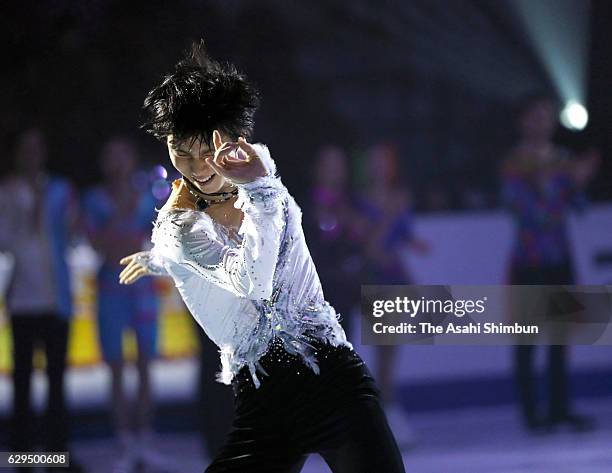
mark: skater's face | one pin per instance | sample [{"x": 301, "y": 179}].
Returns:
[{"x": 189, "y": 158}]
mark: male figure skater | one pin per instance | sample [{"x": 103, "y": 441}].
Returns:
[{"x": 230, "y": 236}]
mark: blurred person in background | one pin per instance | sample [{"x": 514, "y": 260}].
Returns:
[
  {"x": 541, "y": 183},
  {"x": 334, "y": 244},
  {"x": 119, "y": 214},
  {"x": 386, "y": 227},
  {"x": 39, "y": 215}
]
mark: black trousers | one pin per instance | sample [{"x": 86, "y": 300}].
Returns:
[
  {"x": 28, "y": 331},
  {"x": 295, "y": 412},
  {"x": 558, "y": 401},
  {"x": 557, "y": 377}
]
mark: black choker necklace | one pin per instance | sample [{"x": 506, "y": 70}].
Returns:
[{"x": 202, "y": 201}]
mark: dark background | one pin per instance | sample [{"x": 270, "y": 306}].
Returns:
[{"x": 436, "y": 77}]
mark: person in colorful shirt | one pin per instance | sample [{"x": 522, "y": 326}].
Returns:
[{"x": 541, "y": 184}]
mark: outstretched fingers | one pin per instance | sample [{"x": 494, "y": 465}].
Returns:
[
  {"x": 126, "y": 259},
  {"x": 131, "y": 273}
]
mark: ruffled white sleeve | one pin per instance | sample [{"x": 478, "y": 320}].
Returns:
[
  {"x": 153, "y": 261},
  {"x": 191, "y": 239}
]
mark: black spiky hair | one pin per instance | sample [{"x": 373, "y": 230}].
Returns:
[{"x": 199, "y": 96}]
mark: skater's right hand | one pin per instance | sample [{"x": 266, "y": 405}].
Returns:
[
  {"x": 136, "y": 267},
  {"x": 237, "y": 170}
]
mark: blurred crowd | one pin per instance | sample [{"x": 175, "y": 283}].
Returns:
[
  {"x": 360, "y": 234},
  {"x": 359, "y": 214}
]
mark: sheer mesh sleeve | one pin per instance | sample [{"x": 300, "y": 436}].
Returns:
[{"x": 153, "y": 261}]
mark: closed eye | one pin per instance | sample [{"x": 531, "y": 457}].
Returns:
[{"x": 186, "y": 155}]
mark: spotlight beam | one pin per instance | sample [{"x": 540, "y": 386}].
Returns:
[{"x": 559, "y": 32}]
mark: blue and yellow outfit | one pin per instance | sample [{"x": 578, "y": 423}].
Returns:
[{"x": 122, "y": 306}]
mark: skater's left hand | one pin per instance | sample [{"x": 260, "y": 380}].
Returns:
[
  {"x": 135, "y": 269},
  {"x": 245, "y": 166}
]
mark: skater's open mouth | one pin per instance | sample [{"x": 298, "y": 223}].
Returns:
[{"x": 203, "y": 180}]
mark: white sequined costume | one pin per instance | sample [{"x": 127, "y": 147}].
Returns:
[{"x": 247, "y": 291}]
